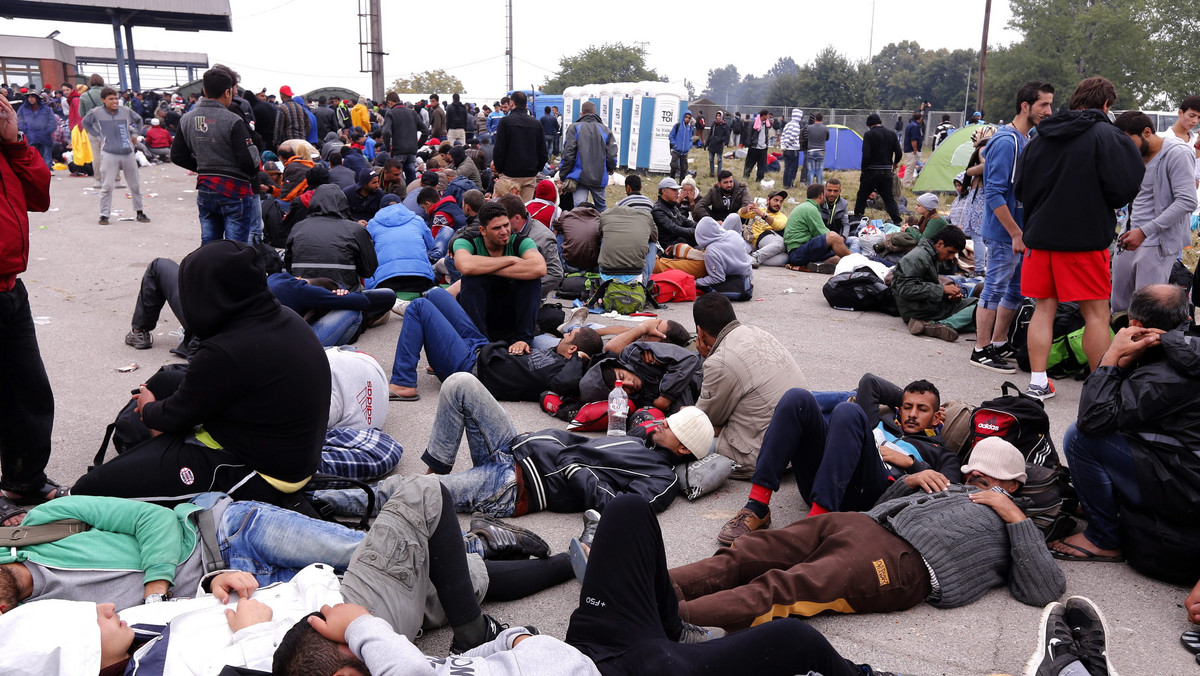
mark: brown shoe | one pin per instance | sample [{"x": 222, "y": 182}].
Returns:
[
  {"x": 745, "y": 522},
  {"x": 916, "y": 326},
  {"x": 940, "y": 331}
]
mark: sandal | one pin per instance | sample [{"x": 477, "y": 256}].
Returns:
[
  {"x": 1191, "y": 641},
  {"x": 9, "y": 509},
  {"x": 1084, "y": 555},
  {"x": 48, "y": 491}
]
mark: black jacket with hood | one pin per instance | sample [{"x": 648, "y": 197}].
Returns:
[
  {"x": 259, "y": 381},
  {"x": 674, "y": 226},
  {"x": 1071, "y": 177},
  {"x": 565, "y": 472},
  {"x": 675, "y": 374},
  {"x": 403, "y": 131},
  {"x": 524, "y": 377},
  {"x": 328, "y": 244}
]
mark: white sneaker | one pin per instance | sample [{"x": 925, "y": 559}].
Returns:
[
  {"x": 400, "y": 306},
  {"x": 576, "y": 317}
]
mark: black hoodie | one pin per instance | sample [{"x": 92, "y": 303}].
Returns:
[
  {"x": 328, "y": 244},
  {"x": 259, "y": 381},
  {"x": 1075, "y": 172}
]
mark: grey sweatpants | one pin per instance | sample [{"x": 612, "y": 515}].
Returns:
[
  {"x": 110, "y": 165},
  {"x": 1131, "y": 270}
]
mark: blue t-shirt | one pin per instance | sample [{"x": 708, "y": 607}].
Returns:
[{"x": 999, "y": 173}]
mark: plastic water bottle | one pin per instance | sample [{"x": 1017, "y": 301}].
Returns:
[{"x": 618, "y": 411}]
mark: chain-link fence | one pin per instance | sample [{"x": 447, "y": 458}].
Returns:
[{"x": 854, "y": 118}]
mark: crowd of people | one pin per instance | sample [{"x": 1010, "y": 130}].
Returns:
[{"x": 320, "y": 222}]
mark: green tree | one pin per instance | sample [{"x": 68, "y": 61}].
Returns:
[
  {"x": 784, "y": 66},
  {"x": 430, "y": 82},
  {"x": 830, "y": 80},
  {"x": 897, "y": 78},
  {"x": 723, "y": 85},
  {"x": 606, "y": 63}
]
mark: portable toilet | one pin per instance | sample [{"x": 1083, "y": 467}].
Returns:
[
  {"x": 665, "y": 111},
  {"x": 641, "y": 110},
  {"x": 570, "y": 109},
  {"x": 622, "y": 105},
  {"x": 605, "y": 107},
  {"x": 592, "y": 93}
]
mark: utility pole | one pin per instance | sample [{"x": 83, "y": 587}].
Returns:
[
  {"x": 508, "y": 52},
  {"x": 871, "y": 40},
  {"x": 376, "y": 51},
  {"x": 987, "y": 18}
]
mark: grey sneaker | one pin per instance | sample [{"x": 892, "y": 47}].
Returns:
[
  {"x": 1039, "y": 392},
  {"x": 695, "y": 634},
  {"x": 139, "y": 339},
  {"x": 505, "y": 541},
  {"x": 822, "y": 268},
  {"x": 591, "y": 520},
  {"x": 916, "y": 326},
  {"x": 1055, "y": 644},
  {"x": 1090, "y": 632},
  {"x": 576, "y": 317}
]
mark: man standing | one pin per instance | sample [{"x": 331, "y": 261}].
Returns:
[
  {"x": 326, "y": 118},
  {"x": 359, "y": 115},
  {"x": 1078, "y": 170},
  {"x": 1003, "y": 222},
  {"x": 681, "y": 145},
  {"x": 834, "y": 208},
  {"x": 456, "y": 121},
  {"x": 403, "y": 134},
  {"x": 291, "y": 119},
  {"x": 756, "y": 153},
  {"x": 27, "y": 415},
  {"x": 589, "y": 157},
  {"x": 113, "y": 124},
  {"x": 437, "y": 118},
  {"x": 550, "y": 129},
  {"x": 880, "y": 156},
  {"x": 746, "y": 372},
  {"x": 914, "y": 138},
  {"x": 520, "y": 150},
  {"x": 1159, "y": 224},
  {"x": 790, "y": 142},
  {"x": 37, "y": 122},
  {"x": 718, "y": 138},
  {"x": 814, "y": 152},
  {"x": 215, "y": 143}
]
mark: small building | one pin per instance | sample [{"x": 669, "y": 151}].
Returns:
[{"x": 35, "y": 62}]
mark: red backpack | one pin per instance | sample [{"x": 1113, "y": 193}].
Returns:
[{"x": 674, "y": 286}]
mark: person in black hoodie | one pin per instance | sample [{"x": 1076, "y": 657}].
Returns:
[
  {"x": 881, "y": 155},
  {"x": 248, "y": 415},
  {"x": 514, "y": 474},
  {"x": 401, "y": 125},
  {"x": 1073, "y": 175},
  {"x": 520, "y": 150},
  {"x": 456, "y": 121},
  {"x": 328, "y": 244}
]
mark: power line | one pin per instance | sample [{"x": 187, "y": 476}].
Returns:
[
  {"x": 269, "y": 9},
  {"x": 530, "y": 63}
]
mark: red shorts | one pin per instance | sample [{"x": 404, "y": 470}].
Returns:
[{"x": 1066, "y": 275}]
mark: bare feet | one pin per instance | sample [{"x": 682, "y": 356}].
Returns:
[{"x": 1079, "y": 547}]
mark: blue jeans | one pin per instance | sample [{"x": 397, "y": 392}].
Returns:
[
  {"x": 791, "y": 165},
  {"x": 256, "y": 220},
  {"x": 814, "y": 250},
  {"x": 45, "y": 149},
  {"x": 1101, "y": 469},
  {"x": 1002, "y": 283},
  {"x": 502, "y": 309},
  {"x": 337, "y": 327},
  {"x": 227, "y": 217},
  {"x": 275, "y": 543},
  {"x": 597, "y": 194},
  {"x": 719, "y": 155},
  {"x": 814, "y": 161},
  {"x": 466, "y": 407},
  {"x": 410, "y": 166},
  {"x": 441, "y": 244},
  {"x": 439, "y": 324}
]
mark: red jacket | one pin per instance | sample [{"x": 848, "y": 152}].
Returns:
[
  {"x": 24, "y": 187},
  {"x": 157, "y": 137}
]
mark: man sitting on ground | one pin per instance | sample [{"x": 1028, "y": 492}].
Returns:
[
  {"x": 514, "y": 474},
  {"x": 810, "y": 245},
  {"x": 364, "y": 196},
  {"x": 580, "y": 228},
  {"x": 329, "y": 244},
  {"x": 764, "y": 232},
  {"x": 727, "y": 196},
  {"x": 891, "y": 558},
  {"x": 547, "y": 243},
  {"x": 834, "y": 209},
  {"x": 845, "y": 463},
  {"x": 746, "y": 372},
  {"x": 501, "y": 273},
  {"x": 633, "y": 194},
  {"x": 627, "y": 244},
  {"x": 453, "y": 344},
  {"x": 674, "y": 225},
  {"x": 1130, "y": 452},
  {"x": 933, "y": 305},
  {"x": 727, "y": 266}
]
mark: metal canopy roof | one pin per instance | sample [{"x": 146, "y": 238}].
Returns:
[
  {"x": 180, "y": 15},
  {"x": 145, "y": 57}
]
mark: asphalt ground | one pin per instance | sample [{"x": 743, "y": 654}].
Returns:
[{"x": 83, "y": 279}]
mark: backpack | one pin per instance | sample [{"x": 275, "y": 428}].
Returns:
[
  {"x": 1067, "y": 357},
  {"x": 128, "y": 430},
  {"x": 674, "y": 286},
  {"x": 1021, "y": 420},
  {"x": 1043, "y": 499},
  {"x": 579, "y": 286},
  {"x": 958, "y": 426},
  {"x": 1018, "y": 331},
  {"x": 735, "y": 127},
  {"x": 623, "y": 297},
  {"x": 860, "y": 289},
  {"x": 737, "y": 288}
]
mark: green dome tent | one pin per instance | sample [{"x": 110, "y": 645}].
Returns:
[{"x": 948, "y": 161}]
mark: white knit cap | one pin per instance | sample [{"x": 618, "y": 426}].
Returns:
[
  {"x": 929, "y": 201},
  {"x": 693, "y": 429},
  {"x": 997, "y": 458}
]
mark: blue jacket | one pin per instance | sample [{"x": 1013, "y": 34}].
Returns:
[
  {"x": 999, "y": 173},
  {"x": 681, "y": 137},
  {"x": 38, "y": 125},
  {"x": 312, "y": 121},
  {"x": 913, "y": 132},
  {"x": 590, "y": 151},
  {"x": 402, "y": 241},
  {"x": 493, "y": 121}
]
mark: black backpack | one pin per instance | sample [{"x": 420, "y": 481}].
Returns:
[
  {"x": 128, "y": 430},
  {"x": 860, "y": 289},
  {"x": 1021, "y": 420}
]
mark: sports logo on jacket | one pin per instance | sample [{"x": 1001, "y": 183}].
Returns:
[{"x": 201, "y": 124}]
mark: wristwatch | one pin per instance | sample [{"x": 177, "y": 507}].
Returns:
[
  {"x": 20, "y": 138},
  {"x": 156, "y": 598}
]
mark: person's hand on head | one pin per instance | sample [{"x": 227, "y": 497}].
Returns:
[
  {"x": 249, "y": 612},
  {"x": 1001, "y": 503},
  {"x": 650, "y": 329},
  {"x": 237, "y": 582},
  {"x": 1129, "y": 344},
  {"x": 337, "y": 619},
  {"x": 929, "y": 480}
]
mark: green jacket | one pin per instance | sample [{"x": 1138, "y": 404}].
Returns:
[
  {"x": 803, "y": 224},
  {"x": 919, "y": 293},
  {"x": 125, "y": 535},
  {"x": 932, "y": 227}
]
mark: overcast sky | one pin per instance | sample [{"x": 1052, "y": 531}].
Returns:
[{"x": 313, "y": 43}]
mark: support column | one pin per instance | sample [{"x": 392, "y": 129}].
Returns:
[
  {"x": 135, "y": 78},
  {"x": 116, "y": 23}
]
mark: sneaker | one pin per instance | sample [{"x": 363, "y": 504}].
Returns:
[
  {"x": 591, "y": 520},
  {"x": 940, "y": 331},
  {"x": 916, "y": 326},
  {"x": 695, "y": 634},
  {"x": 1005, "y": 351},
  {"x": 754, "y": 262},
  {"x": 1055, "y": 644},
  {"x": 505, "y": 541},
  {"x": 1038, "y": 392},
  {"x": 987, "y": 358},
  {"x": 104, "y": 220},
  {"x": 142, "y": 217},
  {"x": 822, "y": 268},
  {"x": 139, "y": 339},
  {"x": 1090, "y": 631},
  {"x": 493, "y": 629},
  {"x": 578, "y": 553},
  {"x": 400, "y": 306},
  {"x": 576, "y": 317},
  {"x": 744, "y": 522}
]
